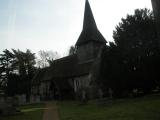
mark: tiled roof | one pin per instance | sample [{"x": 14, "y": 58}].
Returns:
[{"x": 67, "y": 67}]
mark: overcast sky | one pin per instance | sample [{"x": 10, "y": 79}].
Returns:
[{"x": 56, "y": 24}]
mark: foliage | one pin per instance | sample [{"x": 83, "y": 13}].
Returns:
[
  {"x": 136, "y": 32},
  {"x": 6, "y": 61},
  {"x": 132, "y": 62},
  {"x": 17, "y": 70}
]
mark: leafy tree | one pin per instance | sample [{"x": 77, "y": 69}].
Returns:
[
  {"x": 14, "y": 85},
  {"x": 24, "y": 63},
  {"x": 137, "y": 33},
  {"x": 132, "y": 60},
  {"x": 112, "y": 71},
  {"x": 16, "y": 71},
  {"x": 137, "y": 41},
  {"x": 6, "y": 61}
]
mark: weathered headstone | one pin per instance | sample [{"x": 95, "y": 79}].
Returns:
[
  {"x": 22, "y": 99},
  {"x": 8, "y": 105},
  {"x": 2, "y": 104},
  {"x": 100, "y": 94},
  {"x": 34, "y": 99},
  {"x": 110, "y": 93}
]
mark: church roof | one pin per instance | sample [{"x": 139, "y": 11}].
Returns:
[
  {"x": 90, "y": 31},
  {"x": 66, "y": 67}
]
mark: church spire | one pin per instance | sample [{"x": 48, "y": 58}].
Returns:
[
  {"x": 90, "y": 31},
  {"x": 89, "y": 22}
]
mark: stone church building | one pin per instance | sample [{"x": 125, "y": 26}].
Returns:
[
  {"x": 74, "y": 75},
  {"x": 77, "y": 74}
]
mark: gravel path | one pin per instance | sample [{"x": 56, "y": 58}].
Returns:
[{"x": 51, "y": 113}]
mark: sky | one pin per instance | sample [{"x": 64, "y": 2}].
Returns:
[{"x": 56, "y": 24}]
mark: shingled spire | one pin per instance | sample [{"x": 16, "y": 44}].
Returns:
[
  {"x": 89, "y": 22},
  {"x": 90, "y": 31}
]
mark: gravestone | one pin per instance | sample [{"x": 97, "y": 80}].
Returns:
[
  {"x": 8, "y": 105},
  {"x": 21, "y": 99},
  {"x": 34, "y": 99},
  {"x": 2, "y": 104}
]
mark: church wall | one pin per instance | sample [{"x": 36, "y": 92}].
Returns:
[
  {"x": 81, "y": 82},
  {"x": 88, "y": 51},
  {"x": 85, "y": 52},
  {"x": 44, "y": 90},
  {"x": 58, "y": 92},
  {"x": 35, "y": 90},
  {"x": 97, "y": 47},
  {"x": 82, "y": 86},
  {"x": 71, "y": 82}
]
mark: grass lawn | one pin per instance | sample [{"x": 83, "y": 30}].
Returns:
[
  {"x": 144, "y": 108},
  {"x": 28, "y": 112}
]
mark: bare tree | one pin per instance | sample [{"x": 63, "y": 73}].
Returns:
[
  {"x": 72, "y": 50},
  {"x": 45, "y": 57}
]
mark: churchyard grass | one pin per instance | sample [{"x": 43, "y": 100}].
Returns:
[
  {"x": 144, "y": 108},
  {"x": 28, "y": 112}
]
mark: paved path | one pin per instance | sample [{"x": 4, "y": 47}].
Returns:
[{"x": 51, "y": 113}]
